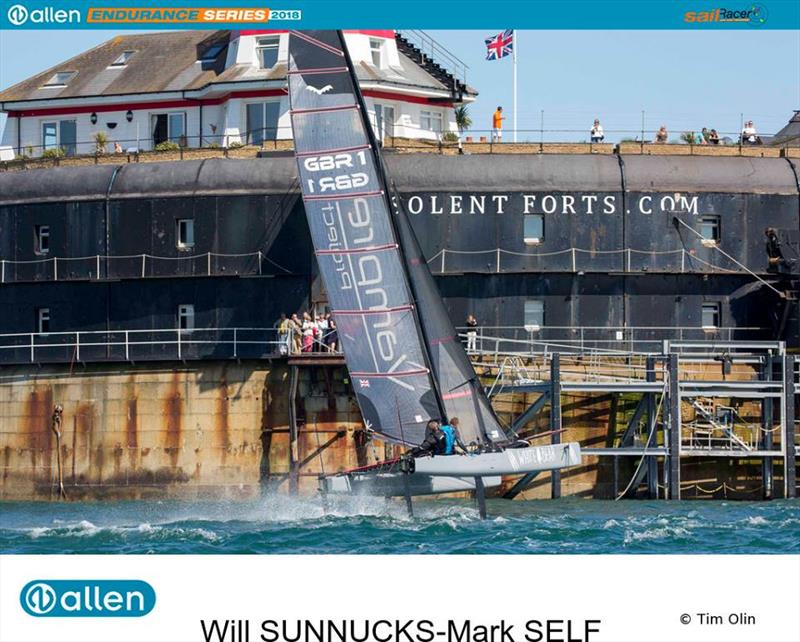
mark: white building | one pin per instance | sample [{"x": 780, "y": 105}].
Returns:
[{"x": 214, "y": 88}]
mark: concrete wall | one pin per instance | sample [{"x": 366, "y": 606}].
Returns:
[
  {"x": 215, "y": 429},
  {"x": 221, "y": 428}
]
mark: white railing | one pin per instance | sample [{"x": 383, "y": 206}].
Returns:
[
  {"x": 575, "y": 260},
  {"x": 101, "y": 267},
  {"x": 150, "y": 345},
  {"x": 536, "y": 340}
]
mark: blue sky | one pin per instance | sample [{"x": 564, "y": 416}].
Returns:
[{"x": 681, "y": 79}]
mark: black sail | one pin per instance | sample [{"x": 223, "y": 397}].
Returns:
[
  {"x": 402, "y": 352},
  {"x": 460, "y": 389},
  {"x": 355, "y": 242}
]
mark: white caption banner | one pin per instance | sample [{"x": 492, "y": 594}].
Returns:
[{"x": 732, "y": 598}]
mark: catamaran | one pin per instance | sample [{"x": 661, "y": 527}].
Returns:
[{"x": 404, "y": 357}]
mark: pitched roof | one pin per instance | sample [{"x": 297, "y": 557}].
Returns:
[
  {"x": 790, "y": 134},
  {"x": 166, "y": 61},
  {"x": 169, "y": 61}
]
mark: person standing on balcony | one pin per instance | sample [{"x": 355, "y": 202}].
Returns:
[
  {"x": 332, "y": 337},
  {"x": 497, "y": 125},
  {"x": 283, "y": 335},
  {"x": 308, "y": 332},
  {"x": 596, "y": 133},
  {"x": 472, "y": 333},
  {"x": 295, "y": 334},
  {"x": 662, "y": 136}
]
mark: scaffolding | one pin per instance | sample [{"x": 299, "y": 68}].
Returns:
[{"x": 690, "y": 395}]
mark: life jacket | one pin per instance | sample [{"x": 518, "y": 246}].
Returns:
[{"x": 449, "y": 439}]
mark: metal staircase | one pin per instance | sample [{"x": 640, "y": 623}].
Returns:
[{"x": 425, "y": 51}]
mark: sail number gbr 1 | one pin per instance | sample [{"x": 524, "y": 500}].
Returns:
[{"x": 338, "y": 182}]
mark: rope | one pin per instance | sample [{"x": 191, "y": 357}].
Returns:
[{"x": 729, "y": 257}]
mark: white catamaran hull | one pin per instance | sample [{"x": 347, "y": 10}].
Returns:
[
  {"x": 394, "y": 484},
  {"x": 439, "y": 475}
]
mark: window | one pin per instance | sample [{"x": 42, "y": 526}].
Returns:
[
  {"x": 185, "y": 233},
  {"x": 534, "y": 314},
  {"x": 384, "y": 121},
  {"x": 41, "y": 240},
  {"x": 170, "y": 127},
  {"x": 60, "y": 79},
  {"x": 186, "y": 317},
  {"x": 533, "y": 231},
  {"x": 431, "y": 121},
  {"x": 60, "y": 134},
  {"x": 122, "y": 59},
  {"x": 262, "y": 122},
  {"x": 711, "y": 316},
  {"x": 376, "y": 50},
  {"x": 709, "y": 230},
  {"x": 43, "y": 320},
  {"x": 212, "y": 52},
  {"x": 267, "y": 51}
]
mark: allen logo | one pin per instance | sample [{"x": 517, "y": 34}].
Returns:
[
  {"x": 19, "y": 14},
  {"x": 87, "y": 598}
]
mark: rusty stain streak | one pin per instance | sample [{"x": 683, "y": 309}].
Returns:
[
  {"x": 36, "y": 425},
  {"x": 84, "y": 425},
  {"x": 131, "y": 432},
  {"x": 173, "y": 414},
  {"x": 221, "y": 420}
]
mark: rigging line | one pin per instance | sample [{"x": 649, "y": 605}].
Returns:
[
  {"x": 646, "y": 446},
  {"x": 728, "y": 256}
]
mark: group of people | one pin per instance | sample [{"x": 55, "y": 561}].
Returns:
[
  {"x": 441, "y": 438},
  {"x": 707, "y": 136},
  {"x": 311, "y": 333}
]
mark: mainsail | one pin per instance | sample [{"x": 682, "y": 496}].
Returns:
[{"x": 405, "y": 362}]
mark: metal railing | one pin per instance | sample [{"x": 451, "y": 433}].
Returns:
[
  {"x": 436, "y": 53},
  {"x": 100, "y": 267},
  {"x": 400, "y": 134},
  {"x": 256, "y": 343},
  {"x": 168, "y": 344},
  {"x": 502, "y": 341},
  {"x": 575, "y": 260}
]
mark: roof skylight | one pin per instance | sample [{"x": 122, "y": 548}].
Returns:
[
  {"x": 60, "y": 79},
  {"x": 122, "y": 59}
]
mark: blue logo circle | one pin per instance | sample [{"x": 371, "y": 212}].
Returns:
[{"x": 40, "y": 598}]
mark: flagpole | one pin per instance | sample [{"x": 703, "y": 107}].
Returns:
[{"x": 514, "y": 54}]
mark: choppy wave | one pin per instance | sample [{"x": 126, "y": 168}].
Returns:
[{"x": 284, "y": 524}]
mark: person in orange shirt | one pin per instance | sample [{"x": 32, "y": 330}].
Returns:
[{"x": 497, "y": 125}]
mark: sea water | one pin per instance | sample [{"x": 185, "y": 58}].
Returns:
[{"x": 283, "y": 524}]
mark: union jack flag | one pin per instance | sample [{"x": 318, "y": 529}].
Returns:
[
  {"x": 500, "y": 46},
  {"x": 363, "y": 383}
]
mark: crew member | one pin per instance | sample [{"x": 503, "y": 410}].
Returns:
[
  {"x": 433, "y": 442},
  {"x": 452, "y": 438}
]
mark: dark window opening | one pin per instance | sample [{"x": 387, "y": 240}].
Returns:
[{"x": 41, "y": 241}]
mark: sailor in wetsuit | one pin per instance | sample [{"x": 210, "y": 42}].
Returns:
[
  {"x": 432, "y": 444},
  {"x": 452, "y": 438}
]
